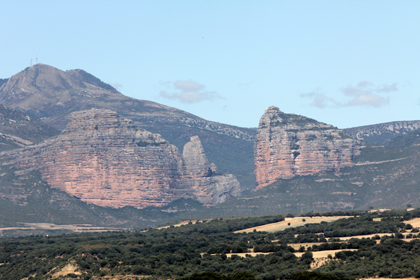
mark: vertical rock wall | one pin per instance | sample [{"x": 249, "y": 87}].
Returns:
[
  {"x": 106, "y": 160},
  {"x": 287, "y": 145}
]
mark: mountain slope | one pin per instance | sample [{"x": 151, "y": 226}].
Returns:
[
  {"x": 3, "y": 81},
  {"x": 383, "y": 133},
  {"x": 381, "y": 177},
  {"x": 51, "y": 95},
  {"x": 410, "y": 139},
  {"x": 19, "y": 130}
]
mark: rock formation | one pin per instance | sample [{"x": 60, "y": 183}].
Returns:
[
  {"x": 195, "y": 160},
  {"x": 287, "y": 145},
  {"x": 49, "y": 94},
  {"x": 106, "y": 160}
]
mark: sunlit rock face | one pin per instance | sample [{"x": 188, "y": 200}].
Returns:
[
  {"x": 106, "y": 160},
  {"x": 287, "y": 145}
]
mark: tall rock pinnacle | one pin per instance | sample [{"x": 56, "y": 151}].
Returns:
[
  {"x": 195, "y": 160},
  {"x": 287, "y": 145}
]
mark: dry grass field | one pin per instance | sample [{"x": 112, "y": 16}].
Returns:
[
  {"x": 293, "y": 222},
  {"x": 388, "y": 279},
  {"x": 49, "y": 226},
  {"x": 414, "y": 222},
  {"x": 185, "y": 223},
  {"x": 323, "y": 254}
]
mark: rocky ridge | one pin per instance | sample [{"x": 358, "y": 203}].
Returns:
[
  {"x": 107, "y": 160},
  {"x": 49, "y": 94},
  {"x": 287, "y": 145},
  {"x": 383, "y": 133}
]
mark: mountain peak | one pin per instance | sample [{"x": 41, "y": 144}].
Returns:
[{"x": 43, "y": 91}]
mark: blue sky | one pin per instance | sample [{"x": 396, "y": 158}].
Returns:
[{"x": 346, "y": 63}]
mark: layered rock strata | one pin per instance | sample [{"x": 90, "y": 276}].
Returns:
[
  {"x": 106, "y": 160},
  {"x": 287, "y": 145}
]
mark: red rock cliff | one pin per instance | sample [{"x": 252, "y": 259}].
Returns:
[
  {"x": 287, "y": 145},
  {"x": 108, "y": 161}
]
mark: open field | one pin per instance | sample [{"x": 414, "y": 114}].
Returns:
[
  {"x": 185, "y": 222},
  {"x": 388, "y": 278},
  {"x": 294, "y": 222},
  {"x": 323, "y": 254},
  {"x": 50, "y": 226},
  {"x": 414, "y": 222}
]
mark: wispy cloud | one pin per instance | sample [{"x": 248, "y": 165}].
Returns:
[
  {"x": 364, "y": 93},
  {"x": 319, "y": 99},
  {"x": 388, "y": 88},
  {"x": 188, "y": 92}
]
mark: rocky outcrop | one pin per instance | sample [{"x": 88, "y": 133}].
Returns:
[
  {"x": 195, "y": 160},
  {"x": 106, "y": 160},
  {"x": 49, "y": 94},
  {"x": 287, "y": 145},
  {"x": 199, "y": 175}
]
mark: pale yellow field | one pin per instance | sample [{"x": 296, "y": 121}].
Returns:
[
  {"x": 414, "y": 222},
  {"x": 365, "y": 236},
  {"x": 185, "y": 223},
  {"x": 294, "y": 222},
  {"x": 323, "y": 254}
]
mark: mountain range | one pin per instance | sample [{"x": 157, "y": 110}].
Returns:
[{"x": 75, "y": 150}]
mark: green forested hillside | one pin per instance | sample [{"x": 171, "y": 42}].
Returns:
[
  {"x": 411, "y": 139},
  {"x": 210, "y": 246}
]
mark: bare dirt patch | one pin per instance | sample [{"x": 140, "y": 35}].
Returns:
[
  {"x": 67, "y": 269},
  {"x": 294, "y": 222}
]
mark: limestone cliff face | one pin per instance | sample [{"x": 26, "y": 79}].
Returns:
[
  {"x": 199, "y": 175},
  {"x": 106, "y": 160},
  {"x": 195, "y": 160},
  {"x": 287, "y": 145}
]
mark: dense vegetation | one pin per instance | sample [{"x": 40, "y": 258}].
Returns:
[{"x": 201, "y": 247}]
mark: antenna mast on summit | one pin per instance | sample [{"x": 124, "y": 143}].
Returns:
[
  {"x": 31, "y": 62},
  {"x": 36, "y": 62}
]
